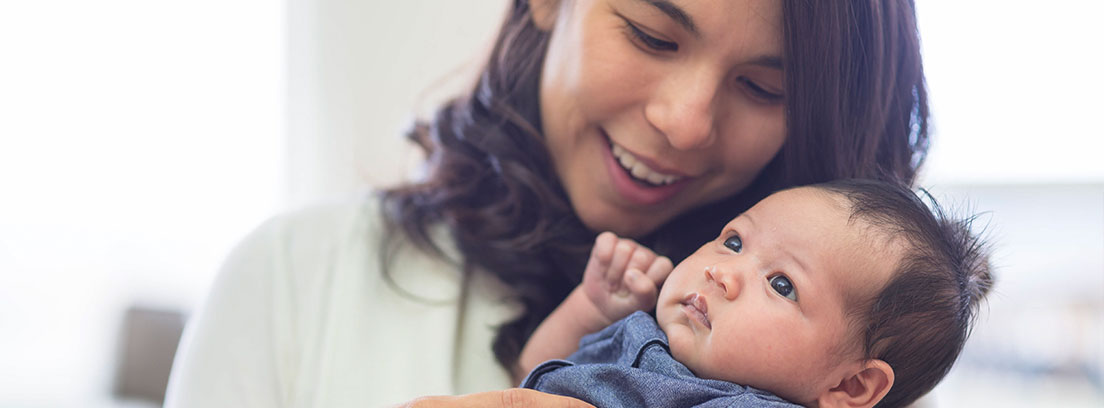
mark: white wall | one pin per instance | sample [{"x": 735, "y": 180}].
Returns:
[
  {"x": 138, "y": 141},
  {"x": 360, "y": 71},
  {"x": 1015, "y": 89}
]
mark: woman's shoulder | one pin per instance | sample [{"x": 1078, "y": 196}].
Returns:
[
  {"x": 327, "y": 222},
  {"x": 304, "y": 247},
  {"x": 328, "y": 240},
  {"x": 346, "y": 221}
]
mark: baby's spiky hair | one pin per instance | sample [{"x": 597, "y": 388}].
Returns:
[{"x": 920, "y": 320}]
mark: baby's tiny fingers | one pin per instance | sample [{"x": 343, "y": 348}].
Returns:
[
  {"x": 600, "y": 257},
  {"x": 659, "y": 270},
  {"x": 621, "y": 254},
  {"x": 603, "y": 247},
  {"x": 642, "y": 288},
  {"x": 641, "y": 258}
]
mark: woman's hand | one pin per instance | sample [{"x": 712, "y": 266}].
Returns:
[
  {"x": 511, "y": 398},
  {"x": 623, "y": 276}
]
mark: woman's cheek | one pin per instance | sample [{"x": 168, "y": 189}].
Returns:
[{"x": 614, "y": 76}]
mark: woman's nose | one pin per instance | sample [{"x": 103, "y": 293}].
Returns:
[
  {"x": 683, "y": 109},
  {"x": 729, "y": 281}
]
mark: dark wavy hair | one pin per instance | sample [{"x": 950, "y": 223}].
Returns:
[
  {"x": 856, "y": 106},
  {"x": 921, "y": 319}
]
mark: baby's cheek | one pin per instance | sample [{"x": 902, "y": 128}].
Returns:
[{"x": 758, "y": 357}]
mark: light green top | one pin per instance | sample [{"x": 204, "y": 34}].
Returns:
[{"x": 301, "y": 316}]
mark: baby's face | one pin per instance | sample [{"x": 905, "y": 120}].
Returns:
[{"x": 763, "y": 304}]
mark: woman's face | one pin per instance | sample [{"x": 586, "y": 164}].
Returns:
[{"x": 654, "y": 107}]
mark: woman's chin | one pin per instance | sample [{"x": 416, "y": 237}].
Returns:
[{"x": 623, "y": 223}]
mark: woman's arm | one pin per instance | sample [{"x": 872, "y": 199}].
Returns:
[{"x": 621, "y": 277}]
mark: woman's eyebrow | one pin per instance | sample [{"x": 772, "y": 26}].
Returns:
[
  {"x": 768, "y": 61},
  {"x": 675, "y": 13}
]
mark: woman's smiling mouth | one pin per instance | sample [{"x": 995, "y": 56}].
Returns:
[
  {"x": 639, "y": 169},
  {"x": 695, "y": 307},
  {"x": 638, "y": 181}
]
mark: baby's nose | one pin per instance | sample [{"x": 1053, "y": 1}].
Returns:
[{"x": 728, "y": 281}]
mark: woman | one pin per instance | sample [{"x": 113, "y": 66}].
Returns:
[{"x": 590, "y": 115}]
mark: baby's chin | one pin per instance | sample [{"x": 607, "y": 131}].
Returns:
[
  {"x": 684, "y": 353},
  {"x": 685, "y": 349}
]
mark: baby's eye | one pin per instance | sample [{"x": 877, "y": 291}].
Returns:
[
  {"x": 782, "y": 285},
  {"x": 734, "y": 243}
]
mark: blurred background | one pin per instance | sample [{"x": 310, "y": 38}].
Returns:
[{"x": 139, "y": 140}]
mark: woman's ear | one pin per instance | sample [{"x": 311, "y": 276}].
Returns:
[
  {"x": 544, "y": 13},
  {"x": 863, "y": 389}
]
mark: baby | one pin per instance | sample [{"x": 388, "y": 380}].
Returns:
[{"x": 851, "y": 293}]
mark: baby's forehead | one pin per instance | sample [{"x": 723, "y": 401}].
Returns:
[
  {"x": 877, "y": 228},
  {"x": 876, "y": 249},
  {"x": 873, "y": 264}
]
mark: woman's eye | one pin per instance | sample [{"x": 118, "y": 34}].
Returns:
[
  {"x": 782, "y": 285},
  {"x": 760, "y": 92},
  {"x": 734, "y": 243},
  {"x": 650, "y": 41}
]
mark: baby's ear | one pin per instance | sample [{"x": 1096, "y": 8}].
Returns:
[{"x": 863, "y": 389}]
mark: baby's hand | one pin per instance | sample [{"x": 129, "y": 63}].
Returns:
[{"x": 622, "y": 276}]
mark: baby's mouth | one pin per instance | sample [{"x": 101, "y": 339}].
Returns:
[{"x": 695, "y": 306}]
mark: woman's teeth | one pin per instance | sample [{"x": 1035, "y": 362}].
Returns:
[{"x": 639, "y": 170}]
